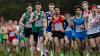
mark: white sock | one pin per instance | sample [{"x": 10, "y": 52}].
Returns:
[
  {"x": 10, "y": 54},
  {"x": 31, "y": 50},
  {"x": 52, "y": 53},
  {"x": 17, "y": 49},
  {"x": 8, "y": 49}
]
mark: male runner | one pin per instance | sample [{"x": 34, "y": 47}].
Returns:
[
  {"x": 93, "y": 29},
  {"x": 24, "y": 21},
  {"x": 11, "y": 36},
  {"x": 58, "y": 30},
  {"x": 48, "y": 36},
  {"x": 79, "y": 29},
  {"x": 38, "y": 20},
  {"x": 68, "y": 32}
]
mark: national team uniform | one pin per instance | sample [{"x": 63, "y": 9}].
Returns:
[
  {"x": 48, "y": 18},
  {"x": 79, "y": 28},
  {"x": 11, "y": 33},
  {"x": 27, "y": 30},
  {"x": 57, "y": 26},
  {"x": 68, "y": 30},
  {"x": 37, "y": 26},
  {"x": 93, "y": 26}
]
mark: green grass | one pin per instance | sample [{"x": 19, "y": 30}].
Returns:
[{"x": 2, "y": 53}]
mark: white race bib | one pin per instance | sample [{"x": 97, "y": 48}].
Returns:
[
  {"x": 79, "y": 28},
  {"x": 68, "y": 28},
  {"x": 11, "y": 34},
  {"x": 58, "y": 26},
  {"x": 38, "y": 23}
]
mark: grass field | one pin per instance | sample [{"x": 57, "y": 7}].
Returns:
[{"x": 4, "y": 53}]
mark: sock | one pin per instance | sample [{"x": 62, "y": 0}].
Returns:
[
  {"x": 17, "y": 49},
  {"x": 31, "y": 50}
]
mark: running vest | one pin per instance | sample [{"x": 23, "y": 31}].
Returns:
[
  {"x": 93, "y": 24},
  {"x": 58, "y": 25},
  {"x": 11, "y": 32},
  {"x": 26, "y": 20},
  {"x": 68, "y": 27},
  {"x": 48, "y": 17},
  {"x": 39, "y": 22},
  {"x": 79, "y": 25}
]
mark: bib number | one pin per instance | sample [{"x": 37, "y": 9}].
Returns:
[
  {"x": 11, "y": 34},
  {"x": 58, "y": 26},
  {"x": 79, "y": 28},
  {"x": 38, "y": 23}
]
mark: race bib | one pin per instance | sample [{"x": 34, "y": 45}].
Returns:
[
  {"x": 11, "y": 34},
  {"x": 68, "y": 28},
  {"x": 58, "y": 26},
  {"x": 38, "y": 23},
  {"x": 28, "y": 25},
  {"x": 79, "y": 28}
]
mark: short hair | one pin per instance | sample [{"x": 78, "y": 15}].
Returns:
[
  {"x": 77, "y": 6},
  {"x": 51, "y": 4},
  {"x": 28, "y": 4},
  {"x": 57, "y": 7},
  {"x": 38, "y": 3},
  {"x": 85, "y": 2}
]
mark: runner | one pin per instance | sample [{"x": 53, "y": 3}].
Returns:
[
  {"x": 68, "y": 33},
  {"x": 17, "y": 34},
  {"x": 5, "y": 35},
  {"x": 22, "y": 40},
  {"x": 79, "y": 29},
  {"x": 58, "y": 30},
  {"x": 24, "y": 21},
  {"x": 86, "y": 13},
  {"x": 11, "y": 37},
  {"x": 5, "y": 31},
  {"x": 38, "y": 21},
  {"x": 93, "y": 29},
  {"x": 86, "y": 10},
  {"x": 48, "y": 37},
  {"x": 85, "y": 6}
]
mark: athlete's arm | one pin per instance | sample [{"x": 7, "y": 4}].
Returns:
[
  {"x": 14, "y": 28},
  {"x": 44, "y": 21},
  {"x": 32, "y": 19},
  {"x": 86, "y": 23},
  {"x": 72, "y": 22},
  {"x": 65, "y": 21},
  {"x": 22, "y": 19}
]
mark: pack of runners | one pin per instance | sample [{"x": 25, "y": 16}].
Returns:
[{"x": 52, "y": 34}]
